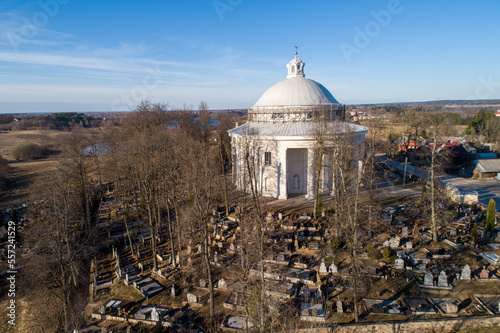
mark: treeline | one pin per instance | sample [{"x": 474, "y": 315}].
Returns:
[
  {"x": 54, "y": 121},
  {"x": 485, "y": 123}
]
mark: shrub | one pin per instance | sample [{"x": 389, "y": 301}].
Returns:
[
  {"x": 386, "y": 253},
  {"x": 490, "y": 217},
  {"x": 372, "y": 252},
  {"x": 335, "y": 244},
  {"x": 28, "y": 151}
]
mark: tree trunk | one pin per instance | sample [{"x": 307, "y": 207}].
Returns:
[{"x": 209, "y": 271}]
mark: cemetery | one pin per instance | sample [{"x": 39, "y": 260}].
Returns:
[{"x": 402, "y": 274}]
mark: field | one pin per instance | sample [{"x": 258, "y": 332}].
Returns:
[{"x": 24, "y": 173}]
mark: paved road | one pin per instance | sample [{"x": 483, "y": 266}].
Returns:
[{"x": 487, "y": 189}]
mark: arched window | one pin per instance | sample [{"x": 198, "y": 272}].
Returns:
[{"x": 292, "y": 70}]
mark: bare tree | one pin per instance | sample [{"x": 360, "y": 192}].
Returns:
[{"x": 434, "y": 120}]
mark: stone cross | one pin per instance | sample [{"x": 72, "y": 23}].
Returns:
[
  {"x": 485, "y": 274},
  {"x": 465, "y": 273},
  {"x": 442, "y": 279}
]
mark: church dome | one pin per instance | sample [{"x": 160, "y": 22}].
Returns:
[{"x": 296, "y": 90}]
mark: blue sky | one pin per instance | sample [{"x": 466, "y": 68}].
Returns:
[{"x": 69, "y": 55}]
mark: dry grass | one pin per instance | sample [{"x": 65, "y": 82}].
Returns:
[{"x": 24, "y": 173}]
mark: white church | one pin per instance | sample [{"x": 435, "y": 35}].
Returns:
[{"x": 281, "y": 136}]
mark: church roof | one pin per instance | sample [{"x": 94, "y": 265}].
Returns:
[
  {"x": 293, "y": 129},
  {"x": 296, "y": 90}
]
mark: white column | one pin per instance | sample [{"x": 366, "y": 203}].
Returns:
[
  {"x": 310, "y": 174},
  {"x": 281, "y": 174}
]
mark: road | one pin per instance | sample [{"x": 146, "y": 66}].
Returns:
[{"x": 487, "y": 189}]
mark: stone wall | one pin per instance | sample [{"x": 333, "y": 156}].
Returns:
[{"x": 438, "y": 325}]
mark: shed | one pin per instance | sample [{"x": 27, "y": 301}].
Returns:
[{"x": 486, "y": 168}]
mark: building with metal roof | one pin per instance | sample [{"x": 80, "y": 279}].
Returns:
[
  {"x": 273, "y": 153},
  {"x": 486, "y": 168}
]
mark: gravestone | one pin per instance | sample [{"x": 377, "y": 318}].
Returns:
[
  {"x": 216, "y": 257},
  {"x": 416, "y": 231},
  {"x": 399, "y": 263},
  {"x": 155, "y": 316},
  {"x": 189, "y": 262},
  {"x": 428, "y": 279},
  {"x": 485, "y": 274},
  {"x": 333, "y": 268},
  {"x": 451, "y": 307},
  {"x": 191, "y": 298},
  {"x": 177, "y": 259},
  {"x": 231, "y": 247},
  {"x": 404, "y": 232},
  {"x": 199, "y": 248},
  {"x": 465, "y": 273},
  {"x": 409, "y": 246},
  {"x": 322, "y": 267},
  {"x": 222, "y": 284},
  {"x": 453, "y": 232},
  {"x": 173, "y": 290},
  {"x": 442, "y": 279},
  {"x": 203, "y": 283},
  {"x": 394, "y": 242},
  {"x": 306, "y": 292},
  {"x": 444, "y": 235},
  {"x": 280, "y": 216},
  {"x": 339, "y": 306}
]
